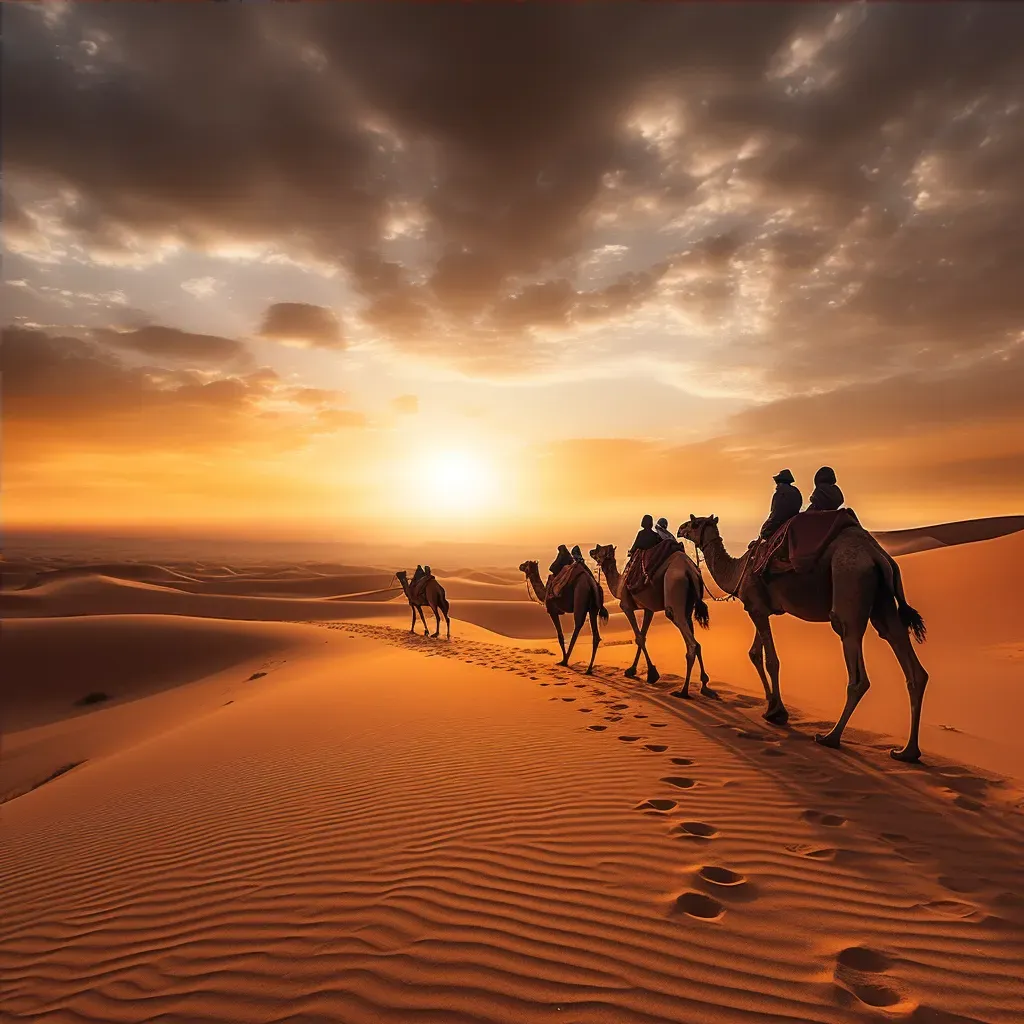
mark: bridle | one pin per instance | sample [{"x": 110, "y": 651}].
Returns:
[{"x": 698, "y": 543}]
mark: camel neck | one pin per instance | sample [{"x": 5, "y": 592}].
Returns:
[
  {"x": 404, "y": 583},
  {"x": 533, "y": 575},
  {"x": 725, "y": 570},
  {"x": 611, "y": 574}
]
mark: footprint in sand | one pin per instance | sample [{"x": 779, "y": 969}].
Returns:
[
  {"x": 773, "y": 752},
  {"x": 679, "y": 782},
  {"x": 542, "y": 684},
  {"x": 640, "y": 716},
  {"x": 969, "y": 804},
  {"x": 613, "y": 718},
  {"x": 727, "y": 883},
  {"x": 658, "y": 748},
  {"x": 619, "y": 707},
  {"x": 597, "y": 728},
  {"x": 584, "y": 711},
  {"x": 699, "y": 905},
  {"x": 629, "y": 739},
  {"x": 658, "y": 725},
  {"x": 856, "y": 967},
  {"x": 812, "y": 852},
  {"x": 568, "y": 700},
  {"x": 696, "y": 830},
  {"x": 657, "y": 805},
  {"x": 682, "y": 760},
  {"x": 831, "y": 820},
  {"x": 949, "y": 908}
]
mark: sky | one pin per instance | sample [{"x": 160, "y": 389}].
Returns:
[{"x": 508, "y": 272}]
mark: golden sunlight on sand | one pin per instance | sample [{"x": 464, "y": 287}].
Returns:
[{"x": 245, "y": 792}]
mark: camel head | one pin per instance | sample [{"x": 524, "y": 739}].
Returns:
[
  {"x": 529, "y": 567},
  {"x": 698, "y": 529},
  {"x": 401, "y": 574},
  {"x": 603, "y": 553}
]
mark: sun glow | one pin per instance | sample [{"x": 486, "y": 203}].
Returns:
[{"x": 458, "y": 481}]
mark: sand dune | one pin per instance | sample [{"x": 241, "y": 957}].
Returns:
[
  {"x": 130, "y": 571},
  {"x": 968, "y": 531},
  {"x": 402, "y": 830},
  {"x": 78, "y": 687}
]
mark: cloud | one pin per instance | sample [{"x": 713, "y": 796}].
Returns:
[
  {"x": 65, "y": 394},
  {"x": 180, "y": 346},
  {"x": 804, "y": 196},
  {"x": 296, "y": 323},
  {"x": 406, "y": 404},
  {"x": 201, "y": 287}
]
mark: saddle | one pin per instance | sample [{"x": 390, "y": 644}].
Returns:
[
  {"x": 644, "y": 564},
  {"x": 418, "y": 590},
  {"x": 564, "y": 578},
  {"x": 799, "y": 542}
]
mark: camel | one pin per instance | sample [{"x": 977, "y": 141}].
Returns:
[
  {"x": 579, "y": 600},
  {"x": 675, "y": 589},
  {"x": 854, "y": 581},
  {"x": 433, "y": 596}
]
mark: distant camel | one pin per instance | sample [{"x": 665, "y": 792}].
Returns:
[
  {"x": 583, "y": 598},
  {"x": 675, "y": 589},
  {"x": 433, "y": 596},
  {"x": 854, "y": 581}
]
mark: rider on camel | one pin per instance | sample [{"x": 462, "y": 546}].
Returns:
[
  {"x": 786, "y": 502},
  {"x": 826, "y": 497},
  {"x": 662, "y": 530},
  {"x": 646, "y": 538}
]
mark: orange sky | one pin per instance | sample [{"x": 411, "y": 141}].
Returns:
[{"x": 351, "y": 297}]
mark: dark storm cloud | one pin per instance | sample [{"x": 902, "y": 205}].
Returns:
[{"x": 859, "y": 161}]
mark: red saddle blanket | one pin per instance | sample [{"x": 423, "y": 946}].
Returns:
[
  {"x": 797, "y": 545},
  {"x": 644, "y": 564},
  {"x": 418, "y": 591},
  {"x": 564, "y": 578}
]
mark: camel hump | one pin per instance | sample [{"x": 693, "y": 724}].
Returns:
[{"x": 418, "y": 592}]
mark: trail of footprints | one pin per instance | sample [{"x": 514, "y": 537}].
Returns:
[{"x": 860, "y": 973}]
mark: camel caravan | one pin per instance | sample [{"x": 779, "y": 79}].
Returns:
[{"x": 819, "y": 565}]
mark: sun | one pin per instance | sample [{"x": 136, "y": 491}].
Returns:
[{"x": 457, "y": 481}]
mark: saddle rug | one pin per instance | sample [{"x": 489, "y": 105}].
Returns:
[
  {"x": 644, "y": 564},
  {"x": 418, "y": 590},
  {"x": 564, "y": 578},
  {"x": 799, "y": 542}
]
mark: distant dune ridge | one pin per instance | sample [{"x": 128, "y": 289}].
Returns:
[{"x": 246, "y": 792}]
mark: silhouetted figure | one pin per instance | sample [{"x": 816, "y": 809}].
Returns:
[
  {"x": 826, "y": 496},
  {"x": 662, "y": 530},
  {"x": 646, "y": 538},
  {"x": 577, "y": 555},
  {"x": 562, "y": 559},
  {"x": 426, "y": 571},
  {"x": 418, "y": 574},
  {"x": 786, "y": 503}
]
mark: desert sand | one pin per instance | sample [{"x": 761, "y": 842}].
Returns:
[{"x": 246, "y": 793}]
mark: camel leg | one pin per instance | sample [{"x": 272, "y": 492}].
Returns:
[
  {"x": 448, "y": 624},
  {"x": 629, "y": 610},
  {"x": 437, "y": 620},
  {"x": 653, "y": 675},
  {"x": 412, "y": 628},
  {"x": 580, "y": 599},
  {"x": 561, "y": 636},
  {"x": 423, "y": 619},
  {"x": 756, "y": 655},
  {"x": 857, "y": 676},
  {"x": 597, "y": 638},
  {"x": 895, "y": 634},
  {"x": 776, "y": 712}
]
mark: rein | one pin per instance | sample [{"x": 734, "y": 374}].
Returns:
[{"x": 730, "y": 595}]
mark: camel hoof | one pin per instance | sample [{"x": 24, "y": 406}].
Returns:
[
  {"x": 826, "y": 740},
  {"x": 589, "y": 672},
  {"x": 706, "y": 691},
  {"x": 681, "y": 694},
  {"x": 905, "y": 755},
  {"x": 630, "y": 673},
  {"x": 653, "y": 676},
  {"x": 778, "y": 717}
]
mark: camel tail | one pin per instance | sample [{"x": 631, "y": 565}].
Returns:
[
  {"x": 602, "y": 612},
  {"x": 701, "y": 613},
  {"x": 910, "y": 617}
]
